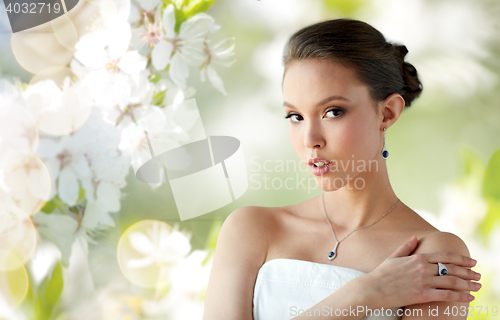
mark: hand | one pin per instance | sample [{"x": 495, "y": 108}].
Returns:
[{"x": 403, "y": 280}]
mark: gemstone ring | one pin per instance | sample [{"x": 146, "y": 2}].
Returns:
[{"x": 442, "y": 269}]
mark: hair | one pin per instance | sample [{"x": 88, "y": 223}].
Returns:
[{"x": 378, "y": 64}]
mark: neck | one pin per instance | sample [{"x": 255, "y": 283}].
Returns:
[{"x": 360, "y": 202}]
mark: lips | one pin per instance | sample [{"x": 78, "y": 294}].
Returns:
[
  {"x": 319, "y": 171},
  {"x": 315, "y": 160}
]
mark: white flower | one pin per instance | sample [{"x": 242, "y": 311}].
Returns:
[
  {"x": 159, "y": 245},
  {"x": 18, "y": 129},
  {"x": 62, "y": 230},
  {"x": 149, "y": 5},
  {"x": 218, "y": 53},
  {"x": 151, "y": 31},
  {"x": 447, "y": 58},
  {"x": 9, "y": 93},
  {"x": 56, "y": 111},
  {"x": 95, "y": 49},
  {"x": 141, "y": 95},
  {"x": 186, "y": 47},
  {"x": 17, "y": 234},
  {"x": 105, "y": 51},
  {"x": 464, "y": 208},
  {"x": 109, "y": 85},
  {"x": 146, "y": 7},
  {"x": 89, "y": 158},
  {"x": 172, "y": 93},
  {"x": 462, "y": 211},
  {"x": 191, "y": 275},
  {"x": 187, "y": 285},
  {"x": 67, "y": 165},
  {"x": 24, "y": 180}
]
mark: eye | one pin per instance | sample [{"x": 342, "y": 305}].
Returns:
[
  {"x": 291, "y": 115},
  {"x": 336, "y": 111}
]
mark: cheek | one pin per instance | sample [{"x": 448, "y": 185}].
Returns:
[
  {"x": 295, "y": 138},
  {"x": 358, "y": 139}
]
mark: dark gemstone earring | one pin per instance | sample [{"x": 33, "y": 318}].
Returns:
[{"x": 385, "y": 153}]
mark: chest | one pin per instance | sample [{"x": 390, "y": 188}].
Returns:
[{"x": 362, "y": 250}]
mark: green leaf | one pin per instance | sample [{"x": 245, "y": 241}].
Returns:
[
  {"x": 180, "y": 17},
  {"x": 491, "y": 181},
  {"x": 166, "y": 3},
  {"x": 81, "y": 194},
  {"x": 31, "y": 304},
  {"x": 491, "y": 193},
  {"x": 201, "y": 6},
  {"x": 49, "y": 291},
  {"x": 178, "y": 3},
  {"x": 155, "y": 78},
  {"x": 186, "y": 9},
  {"x": 346, "y": 7},
  {"x": 158, "y": 97},
  {"x": 492, "y": 217},
  {"x": 472, "y": 163},
  {"x": 213, "y": 234},
  {"x": 50, "y": 206},
  {"x": 211, "y": 242}
]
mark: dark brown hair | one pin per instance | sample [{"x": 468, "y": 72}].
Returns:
[{"x": 378, "y": 63}]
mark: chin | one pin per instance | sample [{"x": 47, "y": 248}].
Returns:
[{"x": 329, "y": 183}]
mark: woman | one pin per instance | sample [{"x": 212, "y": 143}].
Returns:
[{"x": 341, "y": 254}]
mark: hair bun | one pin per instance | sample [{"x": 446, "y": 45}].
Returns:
[
  {"x": 413, "y": 86},
  {"x": 378, "y": 63}
]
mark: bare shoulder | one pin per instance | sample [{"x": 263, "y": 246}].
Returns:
[
  {"x": 438, "y": 241},
  {"x": 243, "y": 238},
  {"x": 240, "y": 251},
  {"x": 249, "y": 226}
]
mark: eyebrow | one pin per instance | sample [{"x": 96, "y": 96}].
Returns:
[{"x": 322, "y": 102}]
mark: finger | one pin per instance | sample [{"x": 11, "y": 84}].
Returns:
[
  {"x": 450, "y": 257},
  {"x": 458, "y": 271},
  {"x": 449, "y": 295},
  {"x": 405, "y": 249},
  {"x": 454, "y": 283}
]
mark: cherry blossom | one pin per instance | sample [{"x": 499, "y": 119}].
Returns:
[
  {"x": 218, "y": 53},
  {"x": 159, "y": 245},
  {"x": 177, "y": 50}
]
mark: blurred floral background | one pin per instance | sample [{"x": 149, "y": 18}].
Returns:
[{"x": 82, "y": 238}]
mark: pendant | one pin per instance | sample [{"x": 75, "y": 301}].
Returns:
[{"x": 333, "y": 254}]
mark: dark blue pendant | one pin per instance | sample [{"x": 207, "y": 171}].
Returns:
[
  {"x": 385, "y": 154},
  {"x": 333, "y": 254}
]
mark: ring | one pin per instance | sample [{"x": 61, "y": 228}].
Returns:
[{"x": 442, "y": 269}]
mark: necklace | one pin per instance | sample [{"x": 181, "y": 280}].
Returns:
[{"x": 333, "y": 254}]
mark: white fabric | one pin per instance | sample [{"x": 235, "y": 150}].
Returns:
[{"x": 285, "y": 286}]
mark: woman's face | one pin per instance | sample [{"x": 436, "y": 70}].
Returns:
[{"x": 333, "y": 118}]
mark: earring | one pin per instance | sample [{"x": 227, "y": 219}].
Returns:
[{"x": 385, "y": 153}]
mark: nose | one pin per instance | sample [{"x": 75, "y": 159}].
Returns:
[{"x": 313, "y": 137}]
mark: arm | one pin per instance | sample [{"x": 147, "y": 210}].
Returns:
[
  {"x": 240, "y": 252},
  {"x": 349, "y": 302},
  {"x": 435, "y": 242}
]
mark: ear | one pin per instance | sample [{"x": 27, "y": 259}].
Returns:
[{"x": 391, "y": 109}]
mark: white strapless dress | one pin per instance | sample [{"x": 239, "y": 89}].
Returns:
[{"x": 285, "y": 287}]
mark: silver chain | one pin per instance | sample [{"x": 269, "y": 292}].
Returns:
[{"x": 324, "y": 207}]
